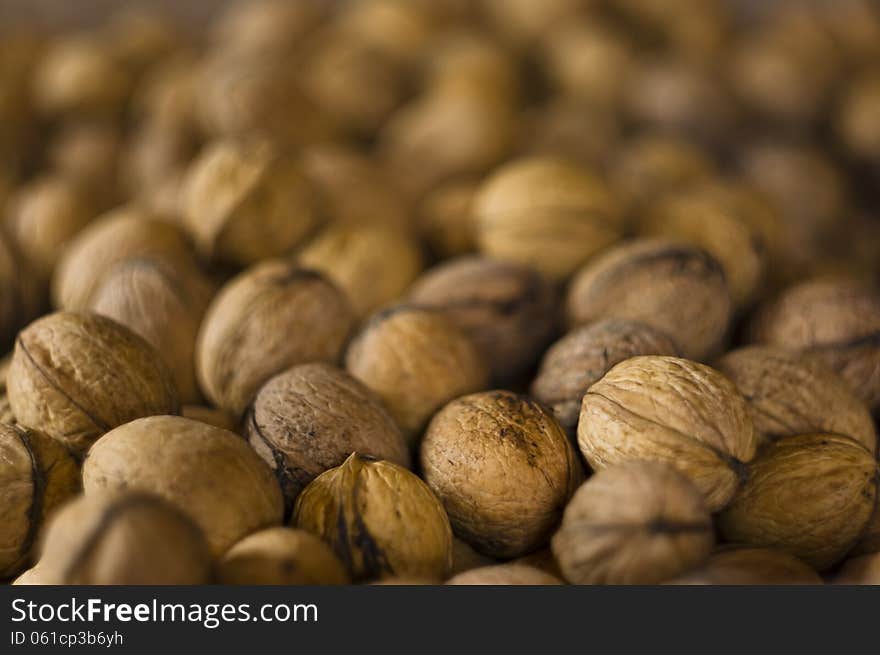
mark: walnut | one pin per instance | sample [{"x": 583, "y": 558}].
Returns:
[
  {"x": 404, "y": 344},
  {"x": 870, "y": 540},
  {"x": 75, "y": 376},
  {"x": 380, "y": 519},
  {"x": 584, "y": 355},
  {"x": 674, "y": 287},
  {"x": 675, "y": 411},
  {"x": 504, "y": 574},
  {"x": 266, "y": 319},
  {"x": 210, "y": 474},
  {"x": 311, "y": 418},
  {"x": 446, "y": 220},
  {"x": 281, "y": 556},
  {"x": 811, "y": 495},
  {"x": 742, "y": 565},
  {"x": 503, "y": 468},
  {"x": 508, "y": 310},
  {"x": 36, "y": 475}
]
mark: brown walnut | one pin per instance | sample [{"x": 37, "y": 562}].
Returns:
[{"x": 743, "y": 565}]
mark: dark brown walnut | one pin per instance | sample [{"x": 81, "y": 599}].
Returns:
[
  {"x": 415, "y": 360},
  {"x": 37, "y": 474},
  {"x": 446, "y": 220},
  {"x": 75, "y": 376},
  {"x": 130, "y": 538},
  {"x": 210, "y": 415},
  {"x": 311, "y": 418},
  {"x": 638, "y": 523},
  {"x": 124, "y": 233},
  {"x": 863, "y": 570},
  {"x": 743, "y": 565},
  {"x": 281, "y": 556},
  {"x": 503, "y": 468},
  {"x": 584, "y": 355},
  {"x": 546, "y": 213},
  {"x": 504, "y": 574},
  {"x": 465, "y": 558},
  {"x": 856, "y": 120},
  {"x": 810, "y": 495},
  {"x": 380, "y": 519},
  {"x": 210, "y": 474},
  {"x": 508, "y": 311},
  {"x": 89, "y": 153},
  {"x": 836, "y": 321},
  {"x": 789, "y": 394},
  {"x": 245, "y": 200},
  {"x": 267, "y": 319},
  {"x": 674, "y": 287},
  {"x": 674, "y": 411}
]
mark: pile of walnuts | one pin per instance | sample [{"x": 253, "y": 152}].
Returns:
[{"x": 475, "y": 291}]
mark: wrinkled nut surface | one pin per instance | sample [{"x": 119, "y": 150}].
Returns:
[
  {"x": 670, "y": 410},
  {"x": 546, "y": 213},
  {"x": 380, "y": 519},
  {"x": 504, "y": 574},
  {"x": 810, "y": 495},
  {"x": 789, "y": 394},
  {"x": 75, "y": 376},
  {"x": 311, "y": 418},
  {"x": 270, "y": 317},
  {"x": 638, "y": 523},
  {"x": 130, "y": 538},
  {"x": 244, "y": 201},
  {"x": 836, "y": 321},
  {"x": 210, "y": 474},
  {"x": 503, "y": 468},
  {"x": 674, "y": 287},
  {"x": 281, "y": 556},
  {"x": 415, "y": 360},
  {"x": 507, "y": 310},
  {"x": 742, "y": 565},
  {"x": 584, "y": 355},
  {"x": 36, "y": 475}
]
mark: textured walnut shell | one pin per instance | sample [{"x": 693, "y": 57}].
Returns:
[
  {"x": 75, "y": 376},
  {"x": 503, "y": 468},
  {"x": 380, "y": 519},
  {"x": 311, "y": 418},
  {"x": 864, "y": 570},
  {"x": 162, "y": 303},
  {"x": 674, "y": 287},
  {"x": 546, "y": 213},
  {"x": 404, "y": 344},
  {"x": 281, "y": 556},
  {"x": 504, "y": 574},
  {"x": 836, "y": 321},
  {"x": 446, "y": 220},
  {"x": 125, "y": 539},
  {"x": 268, "y": 318},
  {"x": 584, "y": 355},
  {"x": 36, "y": 475},
  {"x": 639, "y": 523},
  {"x": 789, "y": 394},
  {"x": 508, "y": 311},
  {"x": 373, "y": 264},
  {"x": 245, "y": 201},
  {"x": 742, "y": 565},
  {"x": 810, "y": 495},
  {"x": 210, "y": 415},
  {"x": 208, "y": 473},
  {"x": 670, "y": 410},
  {"x": 121, "y": 234}
]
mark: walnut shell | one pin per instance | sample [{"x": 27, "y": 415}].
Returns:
[
  {"x": 210, "y": 415},
  {"x": 503, "y": 468},
  {"x": 404, "y": 344},
  {"x": 836, "y": 321},
  {"x": 36, "y": 475},
  {"x": 210, "y": 474},
  {"x": 670, "y": 410},
  {"x": 75, "y": 376},
  {"x": 639, "y": 523},
  {"x": 508, "y": 310},
  {"x": 810, "y": 495},
  {"x": 446, "y": 220},
  {"x": 281, "y": 556},
  {"x": 674, "y": 287},
  {"x": 380, "y": 519},
  {"x": 546, "y": 213},
  {"x": 584, "y": 355},
  {"x": 266, "y": 319},
  {"x": 504, "y": 574},
  {"x": 864, "y": 570},
  {"x": 311, "y": 418},
  {"x": 789, "y": 394},
  {"x": 742, "y": 565}
]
